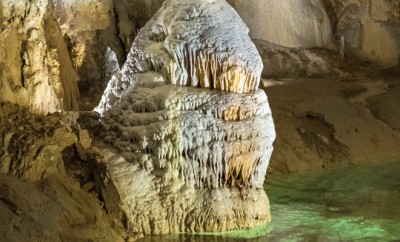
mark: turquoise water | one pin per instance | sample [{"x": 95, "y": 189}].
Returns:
[{"x": 347, "y": 204}]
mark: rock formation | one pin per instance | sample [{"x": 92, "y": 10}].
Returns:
[
  {"x": 302, "y": 23},
  {"x": 95, "y": 41},
  {"x": 140, "y": 11},
  {"x": 31, "y": 146},
  {"x": 36, "y": 69},
  {"x": 371, "y": 29},
  {"x": 192, "y": 58},
  {"x": 184, "y": 137},
  {"x": 46, "y": 191},
  {"x": 191, "y": 133},
  {"x": 294, "y": 38},
  {"x": 284, "y": 62},
  {"x": 99, "y": 36}
]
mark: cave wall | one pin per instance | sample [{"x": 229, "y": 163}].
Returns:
[
  {"x": 86, "y": 42},
  {"x": 36, "y": 71},
  {"x": 287, "y": 23},
  {"x": 371, "y": 29},
  {"x": 99, "y": 35},
  {"x": 96, "y": 44}
]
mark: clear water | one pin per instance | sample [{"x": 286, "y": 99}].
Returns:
[{"x": 347, "y": 204}]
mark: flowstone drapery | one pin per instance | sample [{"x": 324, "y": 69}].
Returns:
[{"x": 191, "y": 134}]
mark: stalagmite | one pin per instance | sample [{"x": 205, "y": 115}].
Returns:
[{"x": 191, "y": 133}]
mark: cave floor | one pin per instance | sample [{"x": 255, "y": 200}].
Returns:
[
  {"x": 357, "y": 203},
  {"x": 324, "y": 123}
]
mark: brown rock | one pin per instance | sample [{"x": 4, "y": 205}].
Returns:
[
  {"x": 36, "y": 69},
  {"x": 84, "y": 139}
]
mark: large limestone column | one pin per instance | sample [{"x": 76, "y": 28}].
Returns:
[{"x": 188, "y": 135}]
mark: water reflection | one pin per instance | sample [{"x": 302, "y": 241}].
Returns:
[{"x": 348, "y": 204}]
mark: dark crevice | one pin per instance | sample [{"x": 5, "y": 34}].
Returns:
[
  {"x": 124, "y": 220},
  {"x": 331, "y": 12},
  {"x": 27, "y": 11},
  {"x": 318, "y": 134},
  {"x": 23, "y": 61},
  {"x": 13, "y": 207},
  {"x": 117, "y": 22},
  {"x": 69, "y": 45}
]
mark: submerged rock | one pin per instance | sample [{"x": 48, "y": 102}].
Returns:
[{"x": 191, "y": 133}]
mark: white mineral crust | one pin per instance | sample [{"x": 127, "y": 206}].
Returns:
[{"x": 191, "y": 43}]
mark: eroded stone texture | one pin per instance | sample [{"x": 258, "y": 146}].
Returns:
[
  {"x": 294, "y": 38},
  {"x": 191, "y": 133},
  {"x": 150, "y": 204},
  {"x": 31, "y": 146},
  {"x": 36, "y": 71},
  {"x": 46, "y": 190}
]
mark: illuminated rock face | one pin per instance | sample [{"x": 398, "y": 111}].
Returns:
[
  {"x": 205, "y": 138},
  {"x": 191, "y": 133},
  {"x": 36, "y": 71},
  {"x": 98, "y": 35},
  {"x": 191, "y": 47}
]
